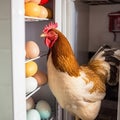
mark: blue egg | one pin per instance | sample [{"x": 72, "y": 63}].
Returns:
[
  {"x": 44, "y": 114},
  {"x": 44, "y": 109},
  {"x": 33, "y": 114}
]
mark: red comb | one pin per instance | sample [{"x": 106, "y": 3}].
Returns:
[{"x": 50, "y": 26}]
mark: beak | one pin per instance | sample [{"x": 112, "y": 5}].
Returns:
[{"x": 43, "y": 35}]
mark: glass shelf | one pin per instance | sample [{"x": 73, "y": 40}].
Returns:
[
  {"x": 42, "y": 55},
  {"x": 33, "y": 19},
  {"x": 32, "y": 93},
  {"x": 28, "y": 60}
]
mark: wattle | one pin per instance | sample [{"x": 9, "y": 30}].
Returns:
[{"x": 49, "y": 43}]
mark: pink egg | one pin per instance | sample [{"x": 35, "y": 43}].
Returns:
[
  {"x": 32, "y": 49},
  {"x": 30, "y": 103}
]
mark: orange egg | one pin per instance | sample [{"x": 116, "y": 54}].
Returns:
[
  {"x": 32, "y": 9},
  {"x": 31, "y": 68},
  {"x": 50, "y": 13},
  {"x": 32, "y": 49},
  {"x": 41, "y": 77},
  {"x": 36, "y": 1},
  {"x": 43, "y": 12}
]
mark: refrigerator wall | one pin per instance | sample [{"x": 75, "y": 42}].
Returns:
[{"x": 99, "y": 26}]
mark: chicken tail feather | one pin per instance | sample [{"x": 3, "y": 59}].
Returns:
[{"x": 109, "y": 59}]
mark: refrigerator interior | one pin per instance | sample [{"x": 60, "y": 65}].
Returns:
[
  {"x": 33, "y": 29},
  {"x": 88, "y": 30}
]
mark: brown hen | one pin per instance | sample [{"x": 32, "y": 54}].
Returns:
[{"x": 79, "y": 88}]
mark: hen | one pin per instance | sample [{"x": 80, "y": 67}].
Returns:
[{"x": 79, "y": 89}]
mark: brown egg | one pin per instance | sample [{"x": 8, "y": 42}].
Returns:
[
  {"x": 32, "y": 49},
  {"x": 50, "y": 13},
  {"x": 43, "y": 12},
  {"x": 41, "y": 77}
]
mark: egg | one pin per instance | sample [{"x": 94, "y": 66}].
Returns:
[
  {"x": 31, "y": 84},
  {"x": 41, "y": 77},
  {"x": 36, "y": 1},
  {"x": 30, "y": 104},
  {"x": 32, "y": 9},
  {"x": 43, "y": 12},
  {"x": 33, "y": 115},
  {"x": 26, "y": 0},
  {"x": 31, "y": 68},
  {"x": 32, "y": 49},
  {"x": 50, "y": 13},
  {"x": 44, "y": 109}
]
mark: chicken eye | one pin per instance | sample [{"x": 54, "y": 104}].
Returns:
[{"x": 51, "y": 33}]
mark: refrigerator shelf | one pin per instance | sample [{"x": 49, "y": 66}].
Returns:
[
  {"x": 28, "y": 60},
  {"x": 42, "y": 54},
  {"x": 32, "y": 93},
  {"x": 33, "y": 19}
]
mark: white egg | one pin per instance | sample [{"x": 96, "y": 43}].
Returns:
[
  {"x": 30, "y": 103},
  {"x": 33, "y": 115},
  {"x": 31, "y": 84}
]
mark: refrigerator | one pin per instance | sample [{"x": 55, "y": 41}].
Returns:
[{"x": 86, "y": 25}]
